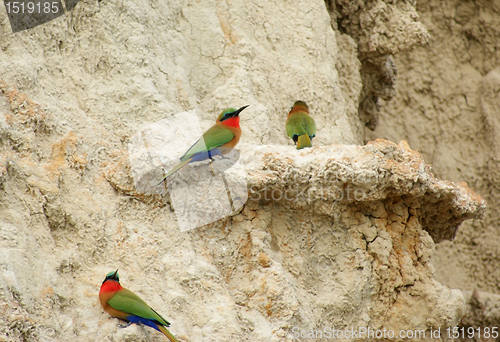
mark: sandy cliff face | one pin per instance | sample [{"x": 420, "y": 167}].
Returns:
[
  {"x": 447, "y": 108},
  {"x": 351, "y": 249}
]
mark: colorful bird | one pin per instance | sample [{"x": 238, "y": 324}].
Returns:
[
  {"x": 300, "y": 126},
  {"x": 126, "y": 305},
  {"x": 218, "y": 140}
]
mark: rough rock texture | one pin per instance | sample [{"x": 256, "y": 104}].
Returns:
[
  {"x": 315, "y": 261},
  {"x": 447, "y": 108},
  {"x": 127, "y": 63},
  {"x": 483, "y": 312},
  {"x": 402, "y": 173},
  {"x": 380, "y": 29},
  {"x": 74, "y": 90}
]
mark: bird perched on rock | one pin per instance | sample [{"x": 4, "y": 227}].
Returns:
[
  {"x": 126, "y": 305},
  {"x": 217, "y": 140},
  {"x": 300, "y": 126}
]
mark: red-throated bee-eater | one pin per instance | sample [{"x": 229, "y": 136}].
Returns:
[
  {"x": 126, "y": 305},
  {"x": 300, "y": 126},
  {"x": 217, "y": 140}
]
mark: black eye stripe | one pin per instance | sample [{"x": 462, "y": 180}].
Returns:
[{"x": 227, "y": 116}]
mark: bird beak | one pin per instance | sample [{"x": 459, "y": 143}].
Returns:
[
  {"x": 239, "y": 110},
  {"x": 115, "y": 274}
]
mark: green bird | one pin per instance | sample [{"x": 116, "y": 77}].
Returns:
[
  {"x": 217, "y": 140},
  {"x": 300, "y": 126},
  {"x": 126, "y": 305}
]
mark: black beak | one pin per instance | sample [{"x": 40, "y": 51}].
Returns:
[
  {"x": 113, "y": 276},
  {"x": 239, "y": 111}
]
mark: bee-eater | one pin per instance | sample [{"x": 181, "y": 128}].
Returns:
[
  {"x": 126, "y": 305},
  {"x": 300, "y": 126},
  {"x": 217, "y": 140}
]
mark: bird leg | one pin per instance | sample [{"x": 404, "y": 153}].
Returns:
[
  {"x": 223, "y": 156},
  {"x": 124, "y": 325}
]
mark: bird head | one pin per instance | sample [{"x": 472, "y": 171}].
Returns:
[
  {"x": 112, "y": 276},
  {"x": 230, "y": 113},
  {"x": 299, "y": 106}
]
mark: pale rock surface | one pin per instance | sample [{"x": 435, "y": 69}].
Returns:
[
  {"x": 128, "y": 63},
  {"x": 70, "y": 213},
  {"x": 483, "y": 311},
  {"x": 447, "y": 108},
  {"x": 316, "y": 261},
  {"x": 385, "y": 222},
  {"x": 381, "y": 29}
]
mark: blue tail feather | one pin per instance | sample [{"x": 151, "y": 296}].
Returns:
[
  {"x": 145, "y": 321},
  {"x": 206, "y": 155}
]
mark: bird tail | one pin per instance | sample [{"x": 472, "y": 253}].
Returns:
[
  {"x": 167, "y": 333},
  {"x": 175, "y": 169},
  {"x": 303, "y": 141}
]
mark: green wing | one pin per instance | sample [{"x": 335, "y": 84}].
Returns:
[
  {"x": 216, "y": 136},
  {"x": 310, "y": 126},
  {"x": 127, "y": 301},
  {"x": 300, "y": 123}
]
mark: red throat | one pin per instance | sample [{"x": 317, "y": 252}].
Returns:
[
  {"x": 110, "y": 286},
  {"x": 232, "y": 122}
]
